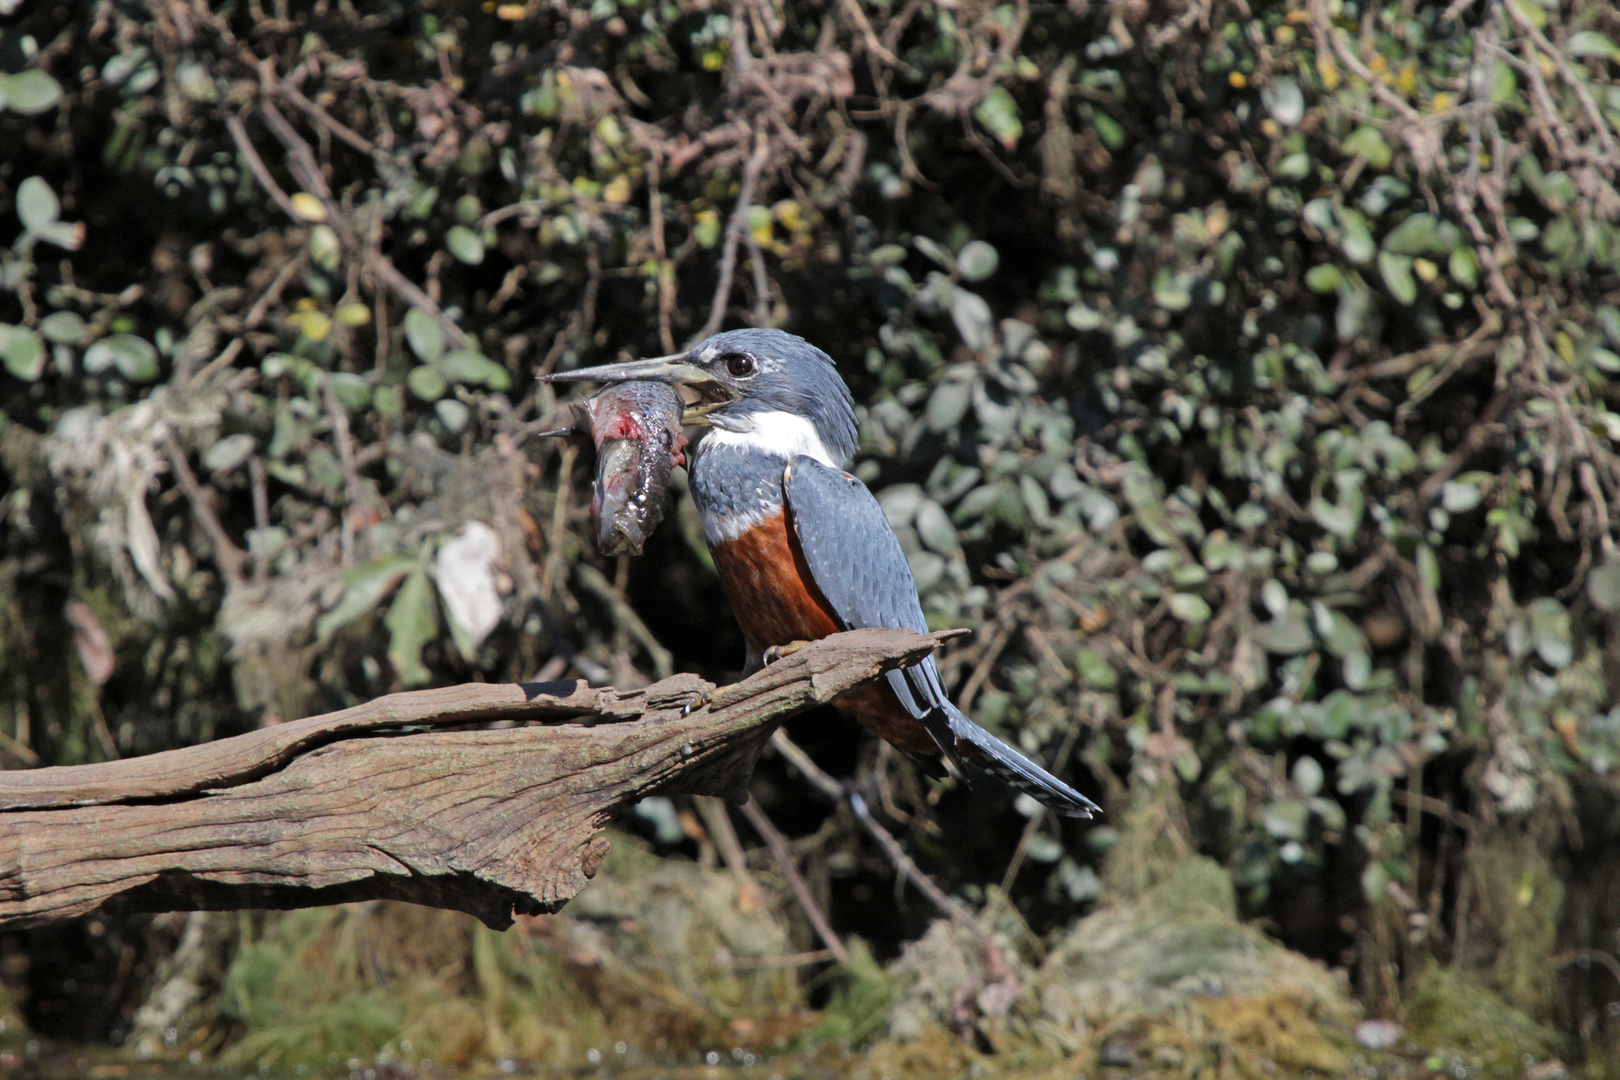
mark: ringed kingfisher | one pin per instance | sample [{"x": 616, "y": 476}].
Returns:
[{"x": 803, "y": 548}]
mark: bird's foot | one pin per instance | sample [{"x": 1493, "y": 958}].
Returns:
[{"x": 776, "y": 652}]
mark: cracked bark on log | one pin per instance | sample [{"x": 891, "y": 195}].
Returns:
[{"x": 364, "y": 804}]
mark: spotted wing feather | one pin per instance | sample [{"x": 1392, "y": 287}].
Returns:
[{"x": 857, "y": 562}]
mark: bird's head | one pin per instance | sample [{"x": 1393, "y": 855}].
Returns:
[{"x": 766, "y": 387}]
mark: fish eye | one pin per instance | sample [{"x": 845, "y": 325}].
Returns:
[{"x": 740, "y": 365}]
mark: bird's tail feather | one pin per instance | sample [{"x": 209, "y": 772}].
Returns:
[
  {"x": 976, "y": 752},
  {"x": 982, "y": 753}
]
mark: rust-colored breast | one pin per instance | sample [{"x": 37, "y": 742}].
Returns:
[
  {"x": 776, "y": 602},
  {"x": 771, "y": 591}
]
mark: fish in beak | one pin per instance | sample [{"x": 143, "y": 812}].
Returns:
[
  {"x": 637, "y": 431},
  {"x": 677, "y": 370}
]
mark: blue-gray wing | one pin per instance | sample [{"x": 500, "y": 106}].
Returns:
[
  {"x": 857, "y": 562},
  {"x": 850, "y": 549}
]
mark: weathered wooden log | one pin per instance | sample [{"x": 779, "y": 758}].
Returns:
[{"x": 365, "y": 803}]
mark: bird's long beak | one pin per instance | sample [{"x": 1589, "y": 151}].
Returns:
[{"x": 675, "y": 370}]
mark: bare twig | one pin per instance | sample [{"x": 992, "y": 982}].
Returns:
[
  {"x": 343, "y": 131},
  {"x": 839, "y": 792},
  {"x": 351, "y": 474},
  {"x": 261, "y": 518},
  {"x": 256, "y": 166},
  {"x": 389, "y": 277},
  {"x": 624, "y": 615},
  {"x": 229, "y": 557},
  {"x": 666, "y": 276},
  {"x": 735, "y": 230},
  {"x": 784, "y": 860}
]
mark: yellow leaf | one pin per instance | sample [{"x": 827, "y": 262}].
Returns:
[
  {"x": 1441, "y": 102},
  {"x": 308, "y": 207},
  {"x": 315, "y": 325},
  {"x": 1329, "y": 71},
  {"x": 617, "y": 191},
  {"x": 791, "y": 215},
  {"x": 511, "y": 12},
  {"x": 353, "y": 314},
  {"x": 1377, "y": 65},
  {"x": 1406, "y": 81},
  {"x": 1238, "y": 80},
  {"x": 1425, "y": 270}
]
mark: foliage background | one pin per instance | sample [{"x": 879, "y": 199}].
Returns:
[{"x": 1242, "y": 372}]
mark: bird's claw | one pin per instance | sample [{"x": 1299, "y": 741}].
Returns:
[
  {"x": 696, "y": 701},
  {"x": 777, "y": 652}
]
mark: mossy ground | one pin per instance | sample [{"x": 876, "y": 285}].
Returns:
[{"x": 655, "y": 971}]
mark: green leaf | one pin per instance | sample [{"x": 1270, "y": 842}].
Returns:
[
  {"x": 425, "y": 334},
  {"x": 1307, "y": 776},
  {"x": 412, "y": 622},
  {"x": 63, "y": 328},
  {"x": 1094, "y": 669},
  {"x": 465, "y": 245},
  {"x": 1458, "y": 497},
  {"x": 1286, "y": 636},
  {"x": 363, "y": 589},
  {"x": 1367, "y": 143},
  {"x": 1603, "y": 586},
  {"x": 30, "y": 92},
  {"x": 1504, "y": 84},
  {"x": 1550, "y": 632},
  {"x": 998, "y": 112},
  {"x": 1397, "y": 274},
  {"x": 948, "y": 404},
  {"x": 135, "y": 358},
  {"x": 324, "y": 247},
  {"x": 934, "y": 528},
  {"x": 1189, "y": 607},
  {"x": 1286, "y": 820},
  {"x": 467, "y": 366},
  {"x": 1295, "y": 166},
  {"x": 228, "y": 453},
  {"x": 1172, "y": 291},
  {"x": 1592, "y": 43},
  {"x": 22, "y": 351},
  {"x": 706, "y": 229},
  {"x": 351, "y": 390},
  {"x": 1532, "y": 11},
  {"x": 973, "y": 320},
  {"x": 1324, "y": 278},
  {"x": 1285, "y": 101},
  {"x": 426, "y": 383},
  {"x": 37, "y": 205},
  {"x": 1357, "y": 241},
  {"x": 1417, "y": 235},
  {"x": 453, "y": 414},
  {"x": 1109, "y": 130},
  {"x": 1464, "y": 266},
  {"x": 977, "y": 260}
]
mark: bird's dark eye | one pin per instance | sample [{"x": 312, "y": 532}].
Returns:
[{"x": 741, "y": 365}]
